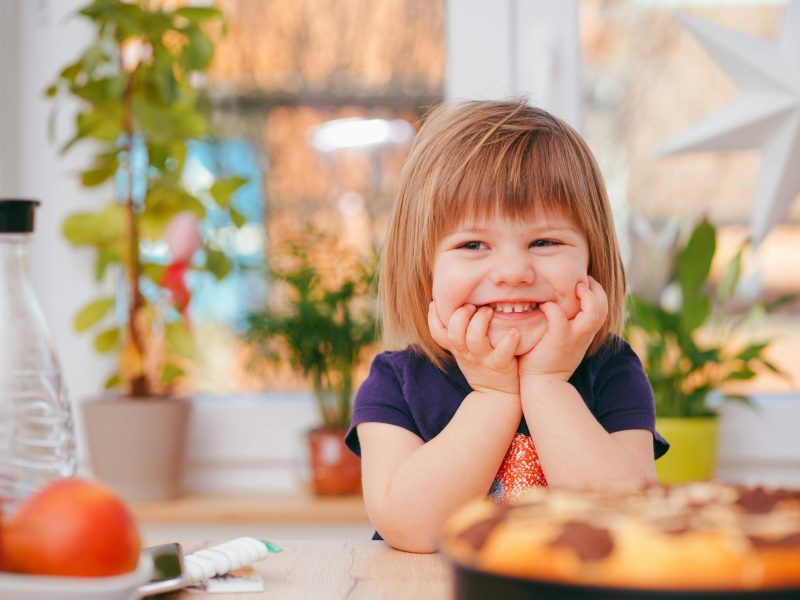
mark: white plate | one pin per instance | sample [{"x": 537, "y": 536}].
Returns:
[{"x": 45, "y": 587}]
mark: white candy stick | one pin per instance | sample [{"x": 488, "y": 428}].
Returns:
[
  {"x": 193, "y": 571},
  {"x": 218, "y": 560},
  {"x": 222, "y": 561}
]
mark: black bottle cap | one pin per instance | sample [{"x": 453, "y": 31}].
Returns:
[{"x": 16, "y": 215}]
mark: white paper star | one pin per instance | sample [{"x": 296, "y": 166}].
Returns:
[{"x": 765, "y": 115}]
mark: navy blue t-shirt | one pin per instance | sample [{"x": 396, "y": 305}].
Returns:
[{"x": 405, "y": 389}]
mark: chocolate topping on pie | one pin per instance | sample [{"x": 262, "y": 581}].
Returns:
[
  {"x": 757, "y": 500},
  {"x": 589, "y": 543},
  {"x": 783, "y": 542},
  {"x": 476, "y": 534}
]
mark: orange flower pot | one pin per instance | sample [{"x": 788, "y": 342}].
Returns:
[{"x": 335, "y": 470}]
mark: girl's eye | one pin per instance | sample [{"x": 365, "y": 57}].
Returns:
[
  {"x": 543, "y": 243},
  {"x": 472, "y": 245}
]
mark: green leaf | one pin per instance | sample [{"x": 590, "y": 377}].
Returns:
[
  {"x": 112, "y": 382},
  {"x": 239, "y": 220},
  {"x": 694, "y": 314},
  {"x": 199, "y": 13},
  {"x": 730, "y": 278},
  {"x": 71, "y": 71},
  {"x": 171, "y": 373},
  {"x": 106, "y": 226},
  {"x": 197, "y": 54},
  {"x": 96, "y": 176},
  {"x": 781, "y": 302},
  {"x": 161, "y": 205},
  {"x": 105, "y": 258},
  {"x": 179, "y": 339},
  {"x": 741, "y": 375},
  {"x": 154, "y": 272},
  {"x": 694, "y": 260},
  {"x": 190, "y": 124},
  {"x": 92, "y": 313},
  {"x": 752, "y": 351},
  {"x": 107, "y": 340},
  {"x": 103, "y": 122},
  {"x": 649, "y": 316},
  {"x": 223, "y": 189},
  {"x": 217, "y": 263}
]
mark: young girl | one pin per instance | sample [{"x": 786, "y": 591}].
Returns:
[{"x": 502, "y": 276}]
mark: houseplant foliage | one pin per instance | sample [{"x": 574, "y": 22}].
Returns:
[
  {"x": 697, "y": 346},
  {"x": 325, "y": 325},
  {"x": 693, "y": 345},
  {"x": 140, "y": 109}
]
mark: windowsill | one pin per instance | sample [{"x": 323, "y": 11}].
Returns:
[{"x": 249, "y": 508}]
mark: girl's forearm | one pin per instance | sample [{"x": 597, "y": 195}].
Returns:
[
  {"x": 574, "y": 449},
  {"x": 456, "y": 466}
]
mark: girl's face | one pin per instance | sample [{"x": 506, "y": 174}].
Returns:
[{"x": 512, "y": 266}]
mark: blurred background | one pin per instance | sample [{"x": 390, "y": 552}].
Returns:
[{"x": 315, "y": 103}]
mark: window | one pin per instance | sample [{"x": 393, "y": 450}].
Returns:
[
  {"x": 286, "y": 70},
  {"x": 647, "y": 79}
]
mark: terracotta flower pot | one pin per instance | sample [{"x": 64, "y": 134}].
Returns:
[
  {"x": 137, "y": 445},
  {"x": 334, "y": 469}
]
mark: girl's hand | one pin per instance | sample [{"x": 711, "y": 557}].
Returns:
[
  {"x": 466, "y": 337},
  {"x": 562, "y": 347}
]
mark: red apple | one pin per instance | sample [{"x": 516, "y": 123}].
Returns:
[{"x": 71, "y": 527}]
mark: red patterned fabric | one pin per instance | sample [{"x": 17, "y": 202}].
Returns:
[{"x": 519, "y": 470}]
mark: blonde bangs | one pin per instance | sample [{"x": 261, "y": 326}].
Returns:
[{"x": 514, "y": 177}]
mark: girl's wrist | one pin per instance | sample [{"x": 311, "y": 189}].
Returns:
[
  {"x": 496, "y": 396},
  {"x": 541, "y": 383}
]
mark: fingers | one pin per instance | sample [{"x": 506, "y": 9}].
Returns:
[
  {"x": 467, "y": 334},
  {"x": 477, "y": 336},
  {"x": 557, "y": 323},
  {"x": 600, "y": 295},
  {"x": 457, "y": 327},
  {"x": 506, "y": 349},
  {"x": 593, "y": 307},
  {"x": 436, "y": 327}
]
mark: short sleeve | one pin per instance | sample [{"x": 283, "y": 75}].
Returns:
[
  {"x": 380, "y": 399},
  {"x": 624, "y": 399}
]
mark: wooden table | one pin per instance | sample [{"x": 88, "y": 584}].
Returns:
[
  {"x": 243, "y": 508},
  {"x": 338, "y": 570}
]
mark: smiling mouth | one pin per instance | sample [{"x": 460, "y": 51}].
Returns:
[{"x": 514, "y": 307}]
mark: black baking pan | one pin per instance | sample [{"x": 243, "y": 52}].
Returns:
[{"x": 471, "y": 584}]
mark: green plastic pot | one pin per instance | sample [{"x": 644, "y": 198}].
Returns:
[{"x": 693, "y": 448}]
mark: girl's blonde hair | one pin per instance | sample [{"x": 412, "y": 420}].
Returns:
[{"x": 475, "y": 160}]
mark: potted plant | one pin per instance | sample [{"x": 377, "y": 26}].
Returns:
[
  {"x": 322, "y": 329},
  {"x": 139, "y": 109},
  {"x": 693, "y": 343}
]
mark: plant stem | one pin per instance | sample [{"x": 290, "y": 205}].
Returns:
[{"x": 140, "y": 386}]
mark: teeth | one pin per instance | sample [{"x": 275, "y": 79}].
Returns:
[{"x": 514, "y": 307}]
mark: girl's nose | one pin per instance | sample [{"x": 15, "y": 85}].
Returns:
[{"x": 513, "y": 269}]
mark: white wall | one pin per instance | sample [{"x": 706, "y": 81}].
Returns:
[
  {"x": 502, "y": 48},
  {"x": 44, "y": 39},
  {"x": 9, "y": 98}
]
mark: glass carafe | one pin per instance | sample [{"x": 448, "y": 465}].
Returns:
[{"x": 37, "y": 441}]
